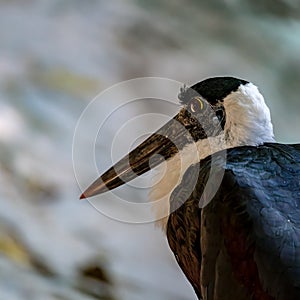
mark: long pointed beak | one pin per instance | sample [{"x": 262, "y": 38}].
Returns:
[{"x": 160, "y": 146}]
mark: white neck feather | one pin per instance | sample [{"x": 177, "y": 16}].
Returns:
[
  {"x": 248, "y": 122},
  {"x": 248, "y": 119}
]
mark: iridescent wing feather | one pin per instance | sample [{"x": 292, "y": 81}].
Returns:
[{"x": 245, "y": 244}]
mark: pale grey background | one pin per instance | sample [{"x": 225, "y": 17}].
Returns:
[{"x": 55, "y": 56}]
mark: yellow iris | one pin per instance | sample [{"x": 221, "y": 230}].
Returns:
[{"x": 197, "y": 104}]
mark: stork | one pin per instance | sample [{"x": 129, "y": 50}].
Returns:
[{"x": 241, "y": 239}]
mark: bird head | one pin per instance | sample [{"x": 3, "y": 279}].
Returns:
[{"x": 216, "y": 113}]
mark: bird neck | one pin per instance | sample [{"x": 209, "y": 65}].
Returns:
[
  {"x": 169, "y": 174},
  {"x": 248, "y": 119}
]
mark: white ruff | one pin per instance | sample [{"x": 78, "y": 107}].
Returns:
[
  {"x": 248, "y": 119},
  {"x": 248, "y": 122}
]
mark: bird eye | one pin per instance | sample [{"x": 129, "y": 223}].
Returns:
[{"x": 197, "y": 105}]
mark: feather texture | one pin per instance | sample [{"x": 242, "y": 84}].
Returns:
[{"x": 245, "y": 244}]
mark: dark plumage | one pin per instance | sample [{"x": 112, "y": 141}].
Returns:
[
  {"x": 212, "y": 89},
  {"x": 245, "y": 244}
]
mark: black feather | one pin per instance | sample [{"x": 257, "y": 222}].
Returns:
[
  {"x": 254, "y": 218},
  {"x": 212, "y": 89}
]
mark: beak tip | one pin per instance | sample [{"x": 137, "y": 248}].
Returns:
[
  {"x": 82, "y": 197},
  {"x": 93, "y": 190}
]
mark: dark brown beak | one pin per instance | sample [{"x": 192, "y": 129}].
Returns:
[{"x": 160, "y": 146}]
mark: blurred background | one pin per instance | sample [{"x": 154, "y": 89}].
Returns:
[{"x": 55, "y": 56}]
